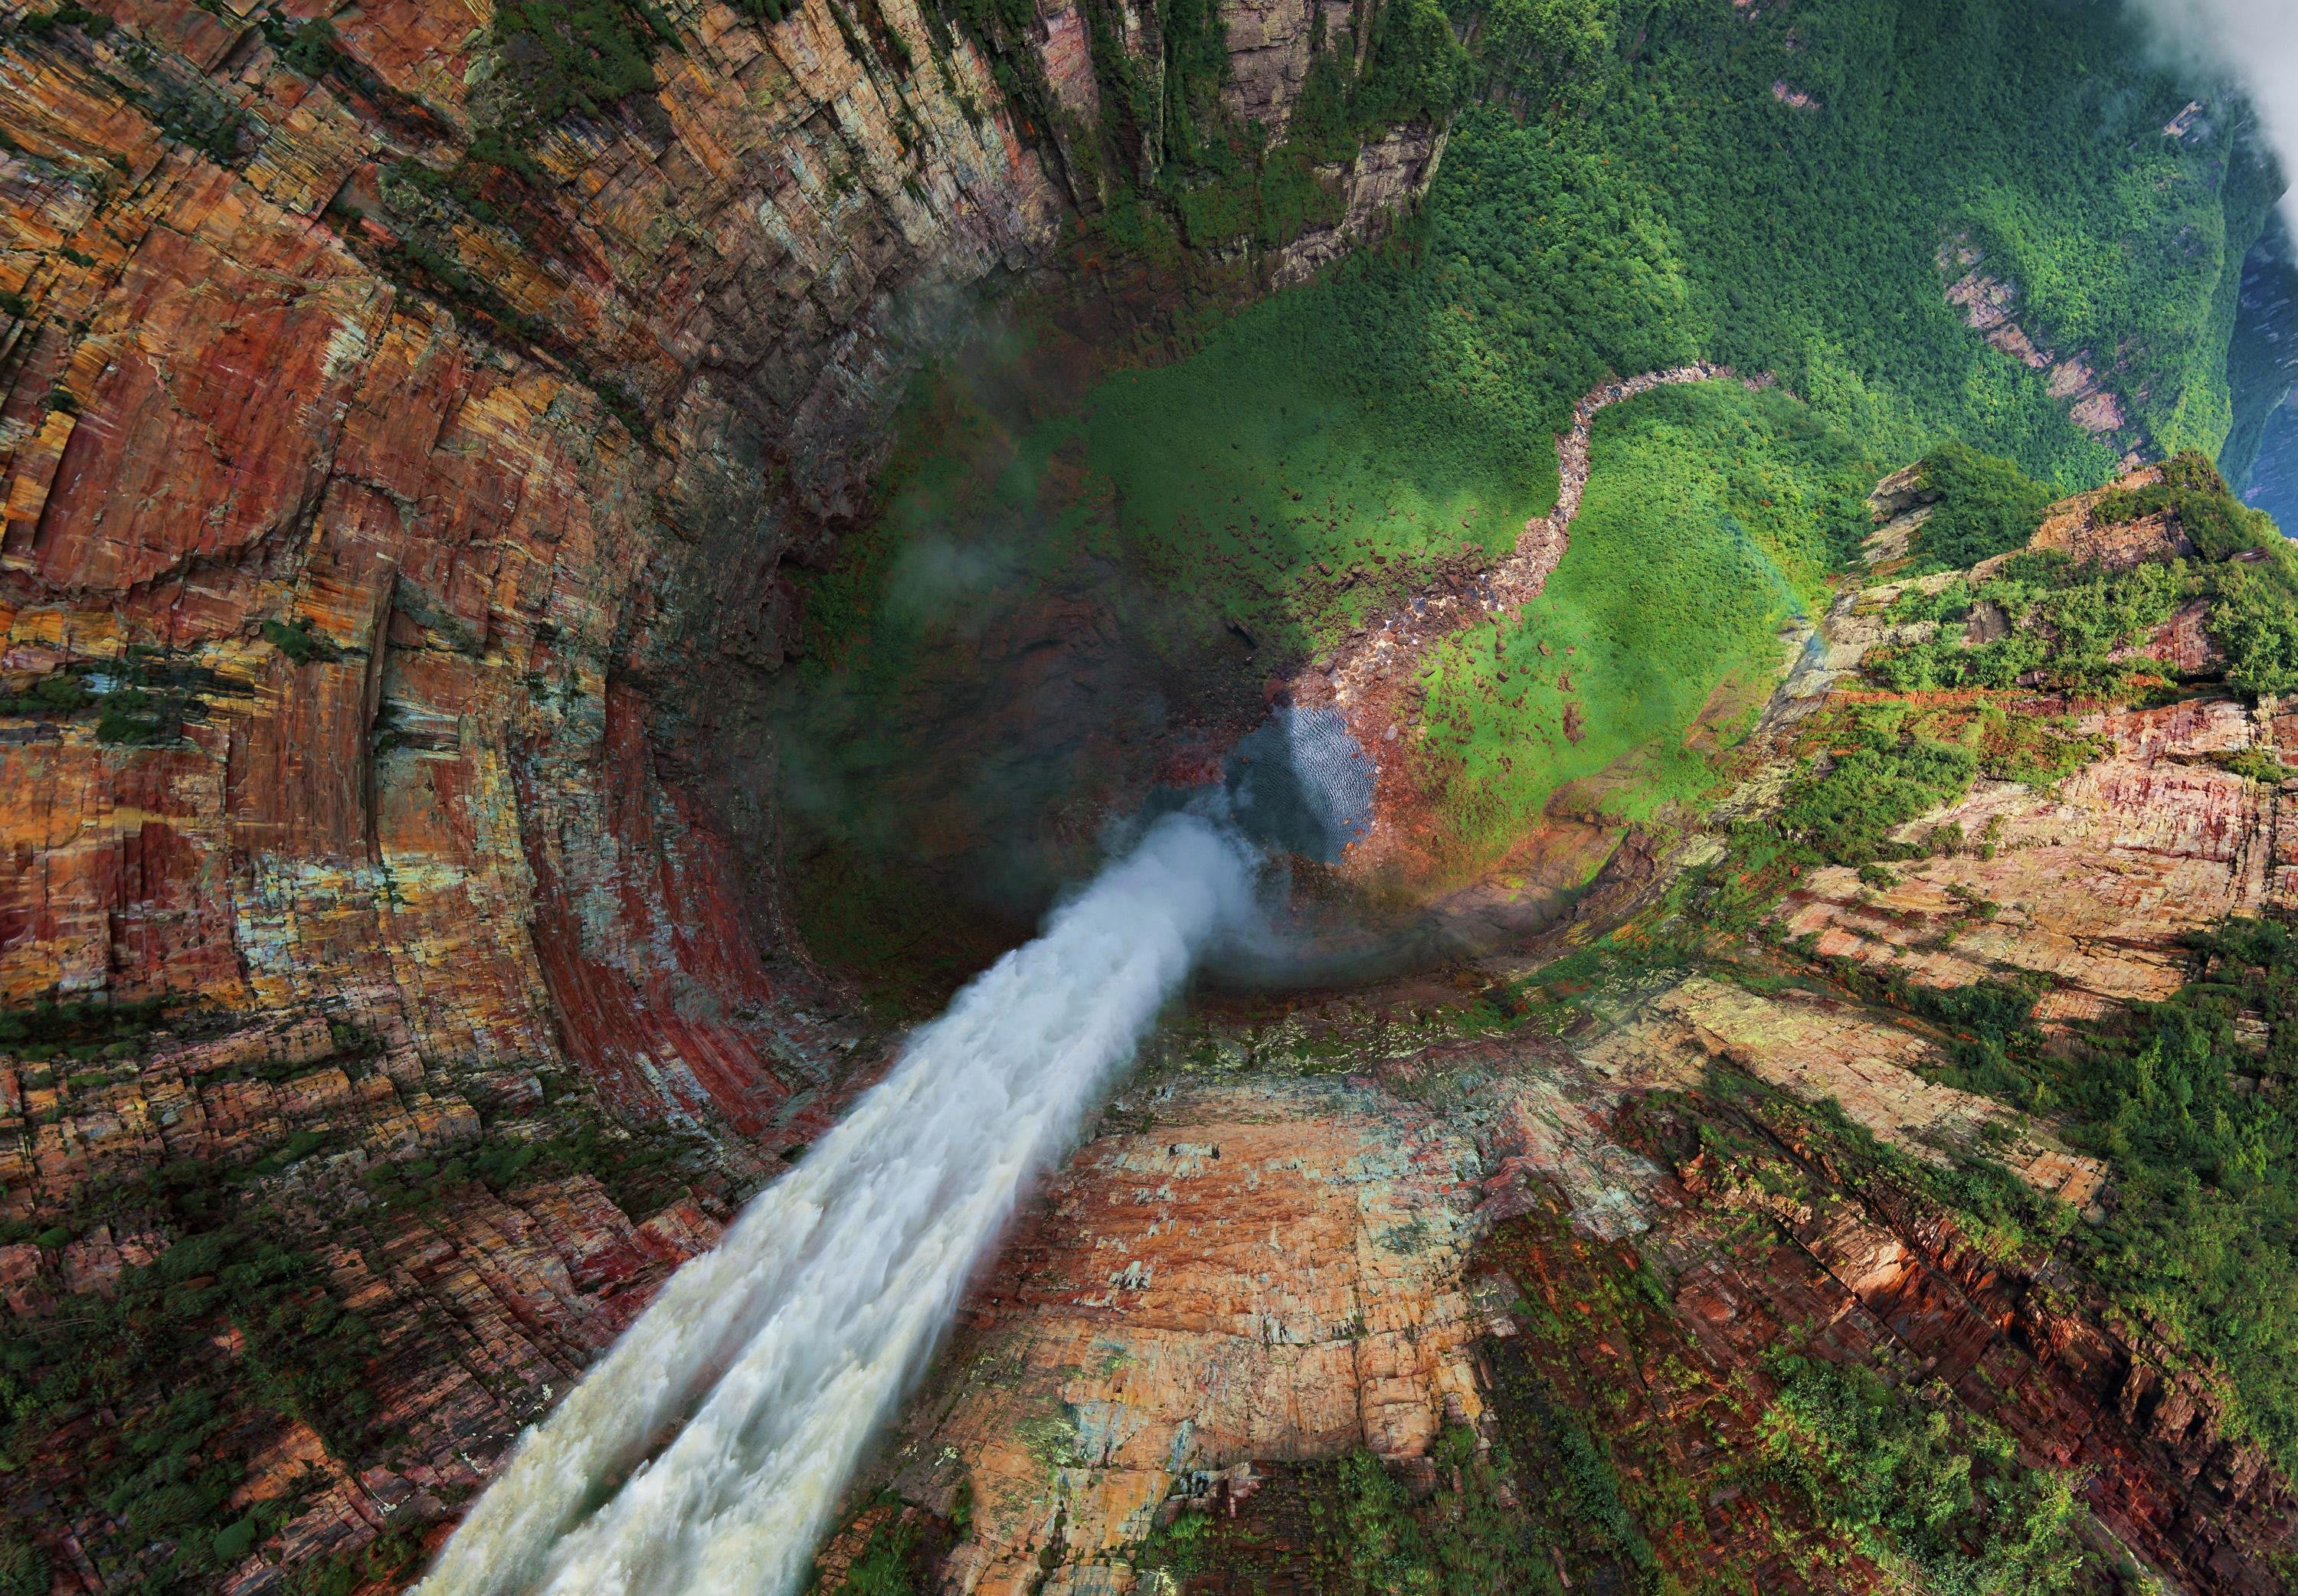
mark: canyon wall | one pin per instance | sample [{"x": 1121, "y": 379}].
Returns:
[
  {"x": 411, "y": 512},
  {"x": 1593, "y": 1242},
  {"x": 395, "y": 546}
]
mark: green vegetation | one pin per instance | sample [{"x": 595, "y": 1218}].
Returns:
[
  {"x": 642, "y": 1168},
  {"x": 1868, "y": 771},
  {"x": 2065, "y": 624},
  {"x": 1889, "y": 776},
  {"x": 562, "y": 57},
  {"x": 2218, "y": 524},
  {"x": 1629, "y": 194},
  {"x": 169, "y": 1452},
  {"x": 148, "y": 1404},
  {"x": 1175, "y": 169},
  {"x": 294, "y": 640},
  {"x": 146, "y": 697},
  {"x": 313, "y": 49},
  {"x": 1711, "y": 517},
  {"x": 2198, "y": 1123},
  {"x": 150, "y": 698},
  {"x": 1178, "y": 1549},
  {"x": 194, "y": 113},
  {"x": 42, "y": 24},
  {"x": 1471, "y": 1540},
  {"x": 2255, "y": 620},
  {"x": 2252, "y": 580},
  {"x": 2258, "y": 765},
  {"x": 1471, "y": 1537},
  {"x": 56, "y": 694},
  {"x": 888, "y": 1565},
  {"x": 390, "y": 1559},
  {"x": 80, "y": 1030},
  {"x": 1986, "y": 506},
  {"x": 1252, "y": 490},
  {"x": 1920, "y": 1485},
  {"x": 1668, "y": 204},
  {"x": 24, "y": 1569}
]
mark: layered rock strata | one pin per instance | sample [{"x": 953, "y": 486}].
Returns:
[{"x": 398, "y": 511}]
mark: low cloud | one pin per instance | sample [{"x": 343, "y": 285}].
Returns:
[{"x": 2254, "y": 44}]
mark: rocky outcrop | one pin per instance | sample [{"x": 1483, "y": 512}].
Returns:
[
  {"x": 1228, "y": 1275},
  {"x": 1270, "y": 46},
  {"x": 1990, "y": 307},
  {"x": 413, "y": 493},
  {"x": 1243, "y": 1273},
  {"x": 1703, "y": 1166},
  {"x": 2095, "y": 883},
  {"x": 1821, "y": 1052},
  {"x": 1387, "y": 175},
  {"x": 397, "y": 511}
]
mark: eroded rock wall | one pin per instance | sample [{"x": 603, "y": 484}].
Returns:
[
  {"x": 445, "y": 520},
  {"x": 396, "y": 527}
]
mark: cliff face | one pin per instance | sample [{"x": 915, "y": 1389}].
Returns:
[
  {"x": 1590, "y": 1250},
  {"x": 397, "y": 511},
  {"x": 390, "y": 540},
  {"x": 434, "y": 794}
]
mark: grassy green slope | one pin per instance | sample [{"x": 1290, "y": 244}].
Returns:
[
  {"x": 1650, "y": 199},
  {"x": 1248, "y": 478},
  {"x": 1711, "y": 516},
  {"x": 1676, "y": 206}
]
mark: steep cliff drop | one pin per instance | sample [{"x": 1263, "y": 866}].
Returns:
[{"x": 780, "y": 1352}]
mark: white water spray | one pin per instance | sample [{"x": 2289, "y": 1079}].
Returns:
[{"x": 791, "y": 1341}]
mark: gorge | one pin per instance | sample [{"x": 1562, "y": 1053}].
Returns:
[{"x": 600, "y": 598}]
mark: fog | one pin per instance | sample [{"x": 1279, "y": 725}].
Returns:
[{"x": 2253, "y": 43}]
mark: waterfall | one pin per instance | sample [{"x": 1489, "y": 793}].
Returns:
[{"x": 775, "y": 1356}]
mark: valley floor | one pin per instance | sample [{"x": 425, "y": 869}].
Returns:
[{"x": 1564, "y": 1280}]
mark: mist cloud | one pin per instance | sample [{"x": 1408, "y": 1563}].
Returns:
[{"x": 2254, "y": 44}]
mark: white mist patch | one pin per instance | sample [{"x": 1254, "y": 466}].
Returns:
[
  {"x": 2252, "y": 42},
  {"x": 789, "y": 1343}
]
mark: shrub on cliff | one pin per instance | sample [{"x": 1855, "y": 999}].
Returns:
[
  {"x": 1888, "y": 779},
  {"x": 1986, "y": 506},
  {"x": 23, "y": 1568},
  {"x": 169, "y": 1409},
  {"x": 1419, "y": 68},
  {"x": 2219, "y": 525},
  {"x": 2253, "y": 577},
  {"x": 2200, "y": 1240},
  {"x": 559, "y": 57},
  {"x": 2069, "y": 624},
  {"x": 2255, "y": 621},
  {"x": 1472, "y": 1539},
  {"x": 1920, "y": 1486}
]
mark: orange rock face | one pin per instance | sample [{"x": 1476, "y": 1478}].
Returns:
[
  {"x": 1243, "y": 1275},
  {"x": 389, "y": 586},
  {"x": 391, "y": 578},
  {"x": 412, "y": 598},
  {"x": 1256, "y": 1274}
]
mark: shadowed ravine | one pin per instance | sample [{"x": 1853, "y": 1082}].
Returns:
[{"x": 785, "y": 1348}]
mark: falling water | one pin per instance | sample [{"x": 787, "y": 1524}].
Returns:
[{"x": 787, "y": 1346}]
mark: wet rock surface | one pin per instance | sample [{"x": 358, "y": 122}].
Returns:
[
  {"x": 396, "y": 530},
  {"x": 443, "y": 555}
]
